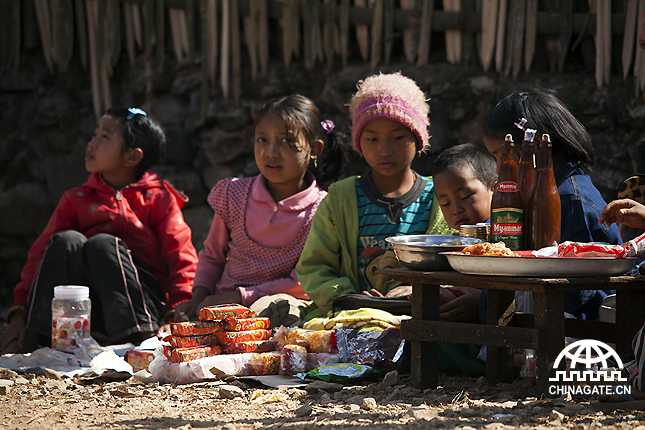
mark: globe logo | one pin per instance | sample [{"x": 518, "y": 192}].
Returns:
[{"x": 588, "y": 352}]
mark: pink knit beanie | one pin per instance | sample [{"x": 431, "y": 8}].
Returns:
[{"x": 394, "y": 97}]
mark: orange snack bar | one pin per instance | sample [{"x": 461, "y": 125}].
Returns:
[
  {"x": 253, "y": 346},
  {"x": 139, "y": 360},
  {"x": 242, "y": 324},
  {"x": 219, "y": 312},
  {"x": 195, "y": 328},
  {"x": 230, "y": 337},
  {"x": 182, "y": 355},
  {"x": 191, "y": 341}
]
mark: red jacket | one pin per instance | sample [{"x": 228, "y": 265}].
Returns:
[{"x": 146, "y": 215}]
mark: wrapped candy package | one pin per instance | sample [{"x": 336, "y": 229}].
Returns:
[
  {"x": 195, "y": 328},
  {"x": 243, "y": 324},
  {"x": 220, "y": 312}
]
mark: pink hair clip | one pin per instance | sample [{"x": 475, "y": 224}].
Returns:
[
  {"x": 521, "y": 123},
  {"x": 328, "y": 125}
]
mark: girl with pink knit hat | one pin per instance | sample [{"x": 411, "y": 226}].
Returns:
[{"x": 346, "y": 243}]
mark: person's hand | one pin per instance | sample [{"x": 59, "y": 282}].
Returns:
[
  {"x": 445, "y": 296},
  {"x": 400, "y": 291},
  {"x": 462, "y": 308},
  {"x": 188, "y": 311},
  {"x": 222, "y": 299},
  {"x": 623, "y": 211},
  {"x": 373, "y": 293},
  {"x": 15, "y": 331}
]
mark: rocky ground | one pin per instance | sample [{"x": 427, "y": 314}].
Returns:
[{"x": 30, "y": 401}]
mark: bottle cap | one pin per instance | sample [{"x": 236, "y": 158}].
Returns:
[
  {"x": 529, "y": 134},
  {"x": 71, "y": 292}
]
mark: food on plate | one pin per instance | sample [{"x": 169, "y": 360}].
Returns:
[{"x": 490, "y": 249}]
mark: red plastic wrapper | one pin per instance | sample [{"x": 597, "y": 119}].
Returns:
[
  {"x": 182, "y": 355},
  {"x": 590, "y": 250},
  {"x": 195, "y": 328},
  {"x": 293, "y": 359},
  {"x": 230, "y": 337},
  {"x": 242, "y": 324},
  {"x": 190, "y": 341},
  {"x": 139, "y": 360},
  {"x": 219, "y": 312},
  {"x": 253, "y": 346}
]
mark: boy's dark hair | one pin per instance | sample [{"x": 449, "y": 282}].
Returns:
[
  {"x": 469, "y": 154},
  {"x": 546, "y": 114},
  {"x": 141, "y": 131},
  {"x": 303, "y": 117}
]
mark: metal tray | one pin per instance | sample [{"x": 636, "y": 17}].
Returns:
[
  {"x": 544, "y": 267},
  {"x": 421, "y": 251}
]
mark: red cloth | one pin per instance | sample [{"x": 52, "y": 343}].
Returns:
[{"x": 146, "y": 215}]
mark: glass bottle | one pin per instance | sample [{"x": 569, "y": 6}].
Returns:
[
  {"x": 526, "y": 173},
  {"x": 526, "y": 170},
  {"x": 507, "y": 206},
  {"x": 71, "y": 308},
  {"x": 543, "y": 227}
]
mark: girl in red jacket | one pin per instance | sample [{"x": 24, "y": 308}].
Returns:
[{"x": 121, "y": 233}]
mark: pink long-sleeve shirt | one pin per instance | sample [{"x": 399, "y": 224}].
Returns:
[{"x": 254, "y": 243}]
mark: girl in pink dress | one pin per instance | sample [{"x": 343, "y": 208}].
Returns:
[{"x": 261, "y": 223}]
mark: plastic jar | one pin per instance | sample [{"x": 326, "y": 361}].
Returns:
[{"x": 71, "y": 310}]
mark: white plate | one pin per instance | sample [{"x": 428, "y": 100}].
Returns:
[{"x": 544, "y": 267}]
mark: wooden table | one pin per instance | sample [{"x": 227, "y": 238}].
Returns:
[{"x": 544, "y": 331}]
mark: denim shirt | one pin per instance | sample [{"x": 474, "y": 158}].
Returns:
[{"x": 581, "y": 205}]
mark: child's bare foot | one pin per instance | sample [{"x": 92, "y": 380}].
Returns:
[{"x": 616, "y": 398}]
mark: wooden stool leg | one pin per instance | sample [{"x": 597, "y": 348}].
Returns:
[
  {"x": 549, "y": 320},
  {"x": 423, "y": 362},
  {"x": 629, "y": 318},
  {"x": 499, "y": 361}
]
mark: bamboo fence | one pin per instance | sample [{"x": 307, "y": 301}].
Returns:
[{"x": 216, "y": 34}]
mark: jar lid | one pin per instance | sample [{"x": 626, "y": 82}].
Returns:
[{"x": 71, "y": 292}]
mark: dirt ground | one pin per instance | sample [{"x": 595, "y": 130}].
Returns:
[{"x": 30, "y": 401}]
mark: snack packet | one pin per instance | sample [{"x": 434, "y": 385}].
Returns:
[
  {"x": 382, "y": 349},
  {"x": 293, "y": 359},
  {"x": 219, "y": 312},
  {"x": 195, "y": 328},
  {"x": 252, "y": 346},
  {"x": 229, "y": 337},
  {"x": 267, "y": 363},
  {"x": 242, "y": 324},
  {"x": 182, "y": 355},
  {"x": 191, "y": 341}
]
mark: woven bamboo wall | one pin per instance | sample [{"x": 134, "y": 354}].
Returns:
[{"x": 499, "y": 35}]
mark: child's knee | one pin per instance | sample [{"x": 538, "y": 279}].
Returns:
[
  {"x": 101, "y": 244},
  {"x": 66, "y": 240}
]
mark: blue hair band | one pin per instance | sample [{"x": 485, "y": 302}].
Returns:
[{"x": 135, "y": 111}]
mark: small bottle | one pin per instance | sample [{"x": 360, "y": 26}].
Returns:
[
  {"x": 507, "y": 206},
  {"x": 71, "y": 310},
  {"x": 543, "y": 208},
  {"x": 526, "y": 171}
]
